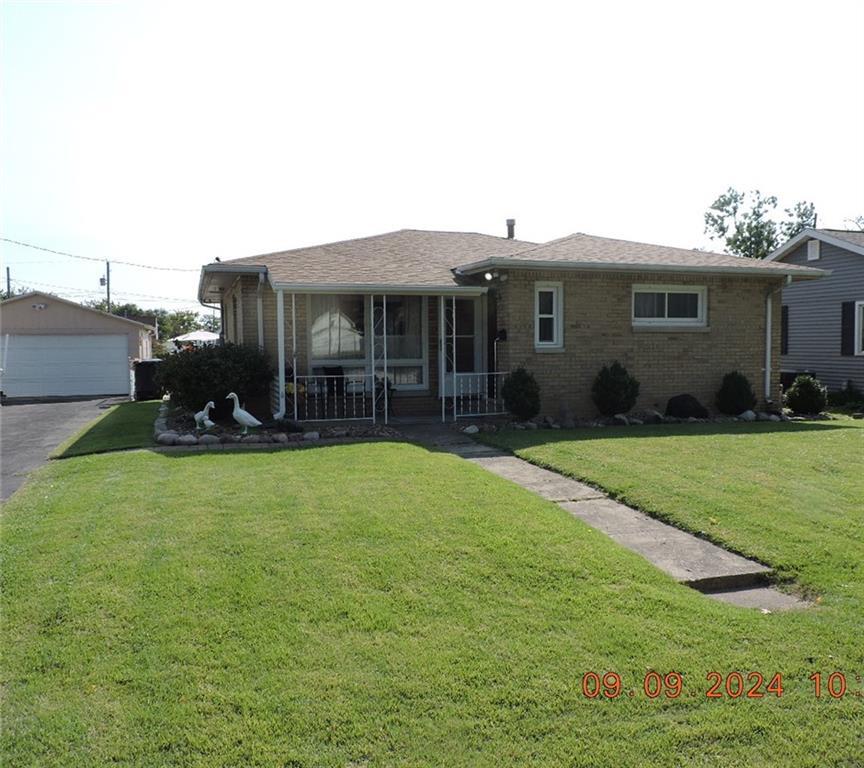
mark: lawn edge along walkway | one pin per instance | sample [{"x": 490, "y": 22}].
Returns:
[{"x": 692, "y": 561}]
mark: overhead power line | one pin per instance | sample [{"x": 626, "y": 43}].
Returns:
[
  {"x": 94, "y": 258},
  {"x": 88, "y": 292}
]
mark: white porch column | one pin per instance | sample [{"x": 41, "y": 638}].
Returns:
[
  {"x": 241, "y": 339},
  {"x": 442, "y": 355},
  {"x": 280, "y": 354},
  {"x": 386, "y": 380},
  {"x": 293, "y": 351},
  {"x": 453, "y": 329}
]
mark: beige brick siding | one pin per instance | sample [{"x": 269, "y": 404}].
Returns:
[{"x": 598, "y": 330}]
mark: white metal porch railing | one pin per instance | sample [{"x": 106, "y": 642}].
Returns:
[
  {"x": 478, "y": 394},
  {"x": 347, "y": 397}
]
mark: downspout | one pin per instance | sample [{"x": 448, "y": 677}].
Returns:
[
  {"x": 259, "y": 300},
  {"x": 769, "y": 304}
]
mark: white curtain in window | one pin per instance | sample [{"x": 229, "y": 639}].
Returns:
[{"x": 337, "y": 325}]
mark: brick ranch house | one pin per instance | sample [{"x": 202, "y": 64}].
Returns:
[{"x": 443, "y": 316}]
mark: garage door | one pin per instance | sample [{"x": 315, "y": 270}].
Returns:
[{"x": 54, "y": 366}]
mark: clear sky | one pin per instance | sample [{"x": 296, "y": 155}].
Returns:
[{"x": 172, "y": 133}]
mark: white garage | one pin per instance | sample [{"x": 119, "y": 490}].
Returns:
[
  {"x": 51, "y": 347},
  {"x": 52, "y": 366}
]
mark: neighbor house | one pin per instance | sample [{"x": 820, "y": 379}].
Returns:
[
  {"x": 52, "y": 347},
  {"x": 823, "y": 323},
  {"x": 442, "y": 317}
]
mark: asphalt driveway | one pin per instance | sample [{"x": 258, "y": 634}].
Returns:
[{"x": 30, "y": 431}]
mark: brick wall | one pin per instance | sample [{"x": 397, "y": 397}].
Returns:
[{"x": 598, "y": 330}]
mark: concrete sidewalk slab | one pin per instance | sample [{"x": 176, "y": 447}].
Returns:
[
  {"x": 549, "y": 485},
  {"x": 718, "y": 573}
]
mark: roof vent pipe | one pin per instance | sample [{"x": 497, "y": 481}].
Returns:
[{"x": 511, "y": 228}]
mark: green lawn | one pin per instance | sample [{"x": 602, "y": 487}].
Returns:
[
  {"x": 377, "y": 605},
  {"x": 127, "y": 425},
  {"x": 790, "y": 495}
]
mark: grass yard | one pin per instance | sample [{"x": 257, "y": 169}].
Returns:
[
  {"x": 790, "y": 495},
  {"x": 127, "y": 425},
  {"x": 380, "y": 605}
]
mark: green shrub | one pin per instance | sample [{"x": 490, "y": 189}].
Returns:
[
  {"x": 850, "y": 396},
  {"x": 735, "y": 394},
  {"x": 806, "y": 395},
  {"x": 614, "y": 390},
  {"x": 521, "y": 394},
  {"x": 194, "y": 376}
]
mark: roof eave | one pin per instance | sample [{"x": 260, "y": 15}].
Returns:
[
  {"x": 230, "y": 269},
  {"x": 812, "y": 234},
  {"x": 506, "y": 263}
]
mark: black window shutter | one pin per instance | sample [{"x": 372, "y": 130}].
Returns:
[
  {"x": 784, "y": 330},
  {"x": 847, "y": 328}
]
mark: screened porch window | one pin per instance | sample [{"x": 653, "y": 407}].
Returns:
[
  {"x": 406, "y": 339},
  {"x": 337, "y": 326}
]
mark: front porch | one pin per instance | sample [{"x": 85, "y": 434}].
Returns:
[{"x": 386, "y": 356}]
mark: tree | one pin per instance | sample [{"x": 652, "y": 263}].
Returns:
[
  {"x": 17, "y": 291},
  {"x": 210, "y": 323},
  {"x": 747, "y": 224},
  {"x": 856, "y": 223},
  {"x": 170, "y": 323}
]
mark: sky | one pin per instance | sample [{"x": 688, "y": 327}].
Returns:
[{"x": 169, "y": 134}]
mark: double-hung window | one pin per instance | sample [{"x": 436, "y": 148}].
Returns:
[
  {"x": 548, "y": 316},
  {"x": 669, "y": 305}
]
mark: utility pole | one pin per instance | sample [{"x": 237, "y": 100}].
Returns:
[
  {"x": 108, "y": 284},
  {"x": 8, "y": 284}
]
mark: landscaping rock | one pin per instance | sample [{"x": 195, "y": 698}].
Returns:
[
  {"x": 637, "y": 422},
  {"x": 166, "y": 438},
  {"x": 471, "y": 429},
  {"x": 311, "y": 435},
  {"x": 186, "y": 440},
  {"x": 568, "y": 423},
  {"x": 340, "y": 432},
  {"x": 209, "y": 440},
  {"x": 763, "y": 416},
  {"x": 774, "y": 417},
  {"x": 250, "y": 439},
  {"x": 653, "y": 417},
  {"x": 747, "y": 416},
  {"x": 686, "y": 406},
  {"x": 280, "y": 437},
  {"x": 620, "y": 420},
  {"x": 530, "y": 425},
  {"x": 858, "y": 415}
]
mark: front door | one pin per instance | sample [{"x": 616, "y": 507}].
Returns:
[{"x": 469, "y": 343}]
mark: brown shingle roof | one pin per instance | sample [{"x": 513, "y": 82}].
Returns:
[
  {"x": 409, "y": 257},
  {"x": 591, "y": 252},
  {"x": 422, "y": 260}
]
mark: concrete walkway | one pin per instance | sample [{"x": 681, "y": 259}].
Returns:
[{"x": 690, "y": 560}]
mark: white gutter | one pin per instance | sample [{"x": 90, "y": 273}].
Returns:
[
  {"x": 769, "y": 304},
  {"x": 804, "y": 273},
  {"x": 396, "y": 290}
]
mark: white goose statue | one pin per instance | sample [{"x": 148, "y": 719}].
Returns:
[
  {"x": 244, "y": 418},
  {"x": 202, "y": 418}
]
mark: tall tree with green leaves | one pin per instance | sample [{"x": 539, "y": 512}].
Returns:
[{"x": 748, "y": 225}]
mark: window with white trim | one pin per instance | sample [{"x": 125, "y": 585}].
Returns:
[
  {"x": 859, "y": 327},
  {"x": 548, "y": 316},
  {"x": 669, "y": 305},
  {"x": 812, "y": 250}
]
